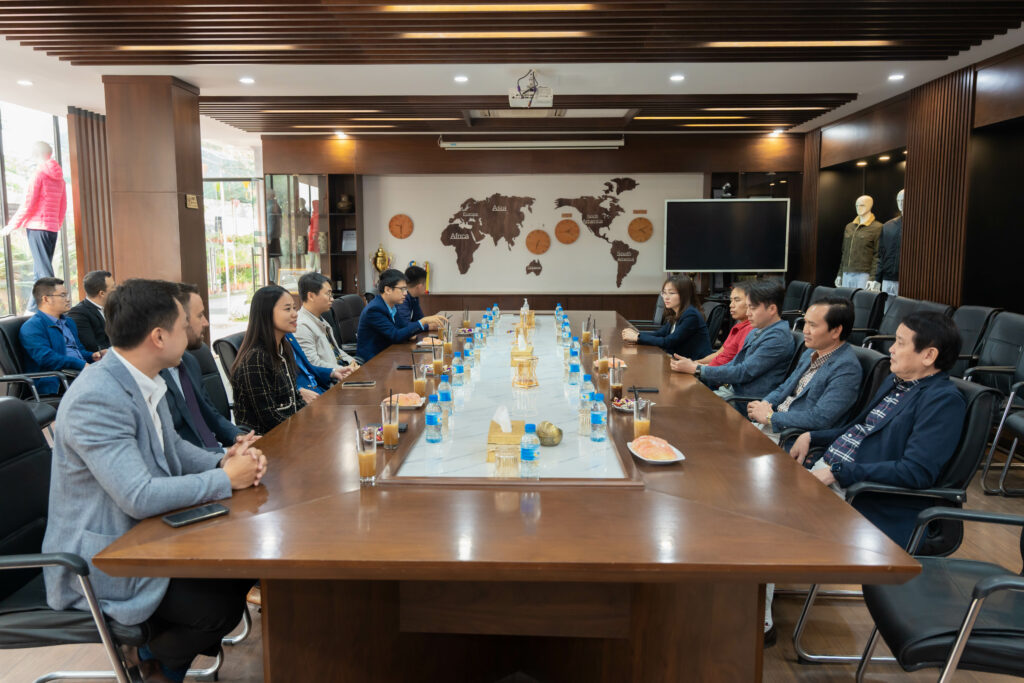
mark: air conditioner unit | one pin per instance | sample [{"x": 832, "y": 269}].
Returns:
[
  {"x": 542, "y": 98},
  {"x": 481, "y": 145}
]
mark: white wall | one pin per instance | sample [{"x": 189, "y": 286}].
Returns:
[{"x": 584, "y": 267}]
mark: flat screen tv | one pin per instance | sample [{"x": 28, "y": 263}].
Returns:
[{"x": 731, "y": 235}]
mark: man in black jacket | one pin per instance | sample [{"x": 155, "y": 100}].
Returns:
[
  {"x": 88, "y": 313},
  {"x": 195, "y": 418}
]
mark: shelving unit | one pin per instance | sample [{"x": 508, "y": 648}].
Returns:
[{"x": 339, "y": 265}]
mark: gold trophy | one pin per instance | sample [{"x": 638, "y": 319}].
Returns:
[{"x": 381, "y": 261}]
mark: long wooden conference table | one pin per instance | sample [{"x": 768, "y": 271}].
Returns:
[{"x": 623, "y": 571}]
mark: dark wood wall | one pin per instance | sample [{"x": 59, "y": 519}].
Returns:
[
  {"x": 803, "y": 261},
  {"x": 869, "y": 132},
  {"x": 1000, "y": 89},
  {"x": 94, "y": 237}
]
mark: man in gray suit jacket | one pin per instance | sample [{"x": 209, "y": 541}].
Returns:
[{"x": 118, "y": 460}]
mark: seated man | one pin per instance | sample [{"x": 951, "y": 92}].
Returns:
[
  {"x": 819, "y": 393},
  {"x": 118, "y": 460},
  {"x": 314, "y": 334},
  {"x": 193, "y": 414},
  {"x": 409, "y": 310},
  {"x": 379, "y": 326},
  {"x": 761, "y": 364},
  {"x": 737, "y": 333},
  {"x": 906, "y": 434},
  {"x": 88, "y": 313},
  {"x": 49, "y": 339}
]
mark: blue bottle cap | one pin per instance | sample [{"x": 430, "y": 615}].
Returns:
[
  {"x": 598, "y": 396},
  {"x": 586, "y": 378},
  {"x": 433, "y": 398},
  {"x": 445, "y": 378},
  {"x": 531, "y": 428}
]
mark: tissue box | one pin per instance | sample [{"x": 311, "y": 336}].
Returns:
[
  {"x": 516, "y": 353},
  {"x": 503, "y": 441}
]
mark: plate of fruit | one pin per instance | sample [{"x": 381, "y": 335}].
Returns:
[
  {"x": 410, "y": 401},
  {"x": 655, "y": 450},
  {"x": 626, "y": 404}
]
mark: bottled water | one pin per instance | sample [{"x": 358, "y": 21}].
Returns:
[
  {"x": 458, "y": 370},
  {"x": 598, "y": 418},
  {"x": 444, "y": 399},
  {"x": 574, "y": 368},
  {"x": 529, "y": 450},
  {"x": 566, "y": 335},
  {"x": 481, "y": 340},
  {"x": 586, "y": 389},
  {"x": 467, "y": 352},
  {"x": 495, "y": 311},
  {"x": 584, "y": 410},
  {"x": 576, "y": 345},
  {"x": 433, "y": 418}
]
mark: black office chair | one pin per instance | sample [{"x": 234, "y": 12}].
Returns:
[
  {"x": 899, "y": 308},
  {"x": 212, "y": 381},
  {"x": 956, "y": 613},
  {"x": 353, "y": 305},
  {"x": 714, "y": 316},
  {"x": 820, "y": 293},
  {"x": 868, "y": 309},
  {"x": 973, "y": 323},
  {"x": 657, "y": 318},
  {"x": 227, "y": 349},
  {"x": 950, "y": 489},
  {"x": 369, "y": 296},
  {"x": 19, "y": 383},
  {"x": 794, "y": 304}
]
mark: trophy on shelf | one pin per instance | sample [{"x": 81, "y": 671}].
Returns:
[{"x": 381, "y": 261}]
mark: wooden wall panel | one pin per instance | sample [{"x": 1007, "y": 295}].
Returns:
[
  {"x": 642, "y": 153},
  {"x": 935, "y": 208},
  {"x": 877, "y": 129},
  {"x": 90, "y": 183},
  {"x": 1000, "y": 89},
  {"x": 803, "y": 247}
]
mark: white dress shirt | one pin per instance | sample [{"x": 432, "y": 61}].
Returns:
[{"x": 153, "y": 391}]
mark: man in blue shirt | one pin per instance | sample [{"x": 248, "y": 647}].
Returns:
[
  {"x": 49, "y": 338},
  {"x": 409, "y": 310},
  {"x": 379, "y": 325}
]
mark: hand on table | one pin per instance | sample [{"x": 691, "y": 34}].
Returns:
[
  {"x": 341, "y": 373},
  {"x": 801, "y": 447},
  {"x": 630, "y": 335},
  {"x": 681, "y": 364},
  {"x": 308, "y": 395}
]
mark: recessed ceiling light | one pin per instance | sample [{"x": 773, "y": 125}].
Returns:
[
  {"x": 798, "y": 43},
  {"x": 214, "y": 47},
  {"x": 680, "y": 118},
  {"x": 320, "y": 111},
  {"x": 24, "y": 81},
  {"x": 778, "y": 131},
  {"x": 884, "y": 157},
  {"x": 495, "y": 7},
  {"x": 764, "y": 108},
  {"x": 490, "y": 35},
  {"x": 461, "y": 79},
  {"x": 895, "y": 77},
  {"x": 862, "y": 163},
  {"x": 406, "y": 118},
  {"x": 732, "y": 125},
  {"x": 783, "y": 182},
  {"x": 246, "y": 80},
  {"x": 346, "y": 125},
  {"x": 771, "y": 184},
  {"x": 904, "y": 152},
  {"x": 340, "y": 134},
  {"x": 675, "y": 78}
]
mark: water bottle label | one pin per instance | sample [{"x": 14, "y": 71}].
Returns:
[
  {"x": 528, "y": 453},
  {"x": 459, "y": 368},
  {"x": 573, "y": 367},
  {"x": 433, "y": 420},
  {"x": 597, "y": 418},
  {"x": 445, "y": 397}
]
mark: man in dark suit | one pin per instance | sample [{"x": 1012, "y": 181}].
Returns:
[
  {"x": 409, "y": 310},
  {"x": 195, "y": 418},
  {"x": 88, "y": 313},
  {"x": 49, "y": 339},
  {"x": 379, "y": 326}
]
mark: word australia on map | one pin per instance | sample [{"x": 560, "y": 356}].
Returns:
[{"x": 501, "y": 217}]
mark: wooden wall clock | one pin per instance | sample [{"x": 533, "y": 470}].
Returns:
[
  {"x": 641, "y": 229},
  {"x": 400, "y": 226},
  {"x": 538, "y": 242},
  {"x": 567, "y": 231}
]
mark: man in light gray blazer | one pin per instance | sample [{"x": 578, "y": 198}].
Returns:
[
  {"x": 314, "y": 334},
  {"x": 118, "y": 460}
]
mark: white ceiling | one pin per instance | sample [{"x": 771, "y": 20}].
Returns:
[{"x": 58, "y": 84}]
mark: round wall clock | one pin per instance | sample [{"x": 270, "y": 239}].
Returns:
[
  {"x": 400, "y": 226},
  {"x": 641, "y": 229},
  {"x": 538, "y": 242},
  {"x": 567, "y": 231}
]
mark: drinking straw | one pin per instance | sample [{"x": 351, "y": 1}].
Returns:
[{"x": 359, "y": 426}]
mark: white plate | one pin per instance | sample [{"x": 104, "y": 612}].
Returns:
[
  {"x": 630, "y": 409},
  {"x": 429, "y": 341},
  {"x": 678, "y": 453},
  {"x": 415, "y": 407}
]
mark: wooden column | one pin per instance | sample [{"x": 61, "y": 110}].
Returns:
[
  {"x": 803, "y": 248},
  {"x": 935, "y": 208},
  {"x": 94, "y": 237},
  {"x": 153, "y": 150}
]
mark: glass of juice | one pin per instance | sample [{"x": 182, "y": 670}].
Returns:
[
  {"x": 389, "y": 418},
  {"x": 595, "y": 343},
  {"x": 447, "y": 349},
  {"x": 641, "y": 418},
  {"x": 585, "y": 337},
  {"x": 615, "y": 381},
  {"x": 367, "y": 453},
  {"x": 419, "y": 379},
  {"x": 602, "y": 361},
  {"x": 438, "y": 359}
]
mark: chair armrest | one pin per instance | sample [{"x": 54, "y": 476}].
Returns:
[
  {"x": 929, "y": 515},
  {"x": 640, "y": 322},
  {"x": 873, "y": 330},
  {"x": 34, "y": 560},
  {"x": 23, "y": 380},
  {"x": 876, "y": 337},
  {"x": 968, "y": 356},
  {"x": 989, "y": 370},
  {"x": 795, "y": 311},
  {"x": 991, "y": 584},
  {"x": 791, "y": 433},
  {"x": 951, "y": 495},
  {"x": 747, "y": 399}
]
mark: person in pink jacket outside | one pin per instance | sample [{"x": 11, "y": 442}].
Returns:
[{"x": 42, "y": 212}]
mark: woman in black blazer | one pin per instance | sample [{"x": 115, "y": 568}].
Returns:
[{"x": 685, "y": 331}]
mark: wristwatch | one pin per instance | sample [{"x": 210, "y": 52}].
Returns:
[
  {"x": 836, "y": 468},
  {"x": 696, "y": 372}
]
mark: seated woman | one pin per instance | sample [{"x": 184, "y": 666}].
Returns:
[
  {"x": 271, "y": 378},
  {"x": 685, "y": 332}
]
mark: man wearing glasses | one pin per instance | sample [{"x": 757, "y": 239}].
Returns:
[
  {"x": 379, "y": 327},
  {"x": 49, "y": 339}
]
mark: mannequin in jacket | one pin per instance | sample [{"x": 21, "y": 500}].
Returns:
[
  {"x": 859, "y": 261},
  {"x": 889, "y": 253},
  {"x": 42, "y": 212}
]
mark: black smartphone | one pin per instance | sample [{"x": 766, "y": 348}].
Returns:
[
  {"x": 403, "y": 427},
  {"x": 643, "y": 390},
  {"x": 195, "y": 515},
  {"x": 422, "y": 350},
  {"x": 405, "y": 367},
  {"x": 365, "y": 383}
]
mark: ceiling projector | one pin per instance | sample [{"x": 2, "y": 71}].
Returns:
[{"x": 529, "y": 94}]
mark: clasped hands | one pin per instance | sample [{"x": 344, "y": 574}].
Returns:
[
  {"x": 244, "y": 464},
  {"x": 760, "y": 411},
  {"x": 682, "y": 364},
  {"x": 630, "y": 335}
]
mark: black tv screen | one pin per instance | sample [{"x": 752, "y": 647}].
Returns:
[{"x": 734, "y": 235}]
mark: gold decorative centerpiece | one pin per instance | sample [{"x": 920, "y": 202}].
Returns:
[
  {"x": 526, "y": 372},
  {"x": 381, "y": 260}
]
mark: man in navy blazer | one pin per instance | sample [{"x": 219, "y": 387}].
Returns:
[
  {"x": 822, "y": 389},
  {"x": 409, "y": 310},
  {"x": 49, "y": 338},
  {"x": 195, "y": 418},
  {"x": 379, "y": 326},
  {"x": 906, "y": 434}
]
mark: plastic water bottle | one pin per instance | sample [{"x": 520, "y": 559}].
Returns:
[
  {"x": 574, "y": 368},
  {"x": 444, "y": 399},
  {"x": 481, "y": 340},
  {"x": 586, "y": 389},
  {"x": 458, "y": 370},
  {"x": 470, "y": 358},
  {"x": 576, "y": 345},
  {"x": 584, "y": 411},
  {"x": 433, "y": 419},
  {"x": 566, "y": 336},
  {"x": 529, "y": 451},
  {"x": 598, "y": 418},
  {"x": 495, "y": 311}
]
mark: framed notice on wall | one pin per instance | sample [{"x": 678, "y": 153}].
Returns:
[{"x": 348, "y": 240}]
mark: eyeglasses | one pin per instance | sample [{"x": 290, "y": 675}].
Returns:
[
  {"x": 59, "y": 296},
  {"x": 666, "y": 293},
  {"x": 402, "y": 289}
]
